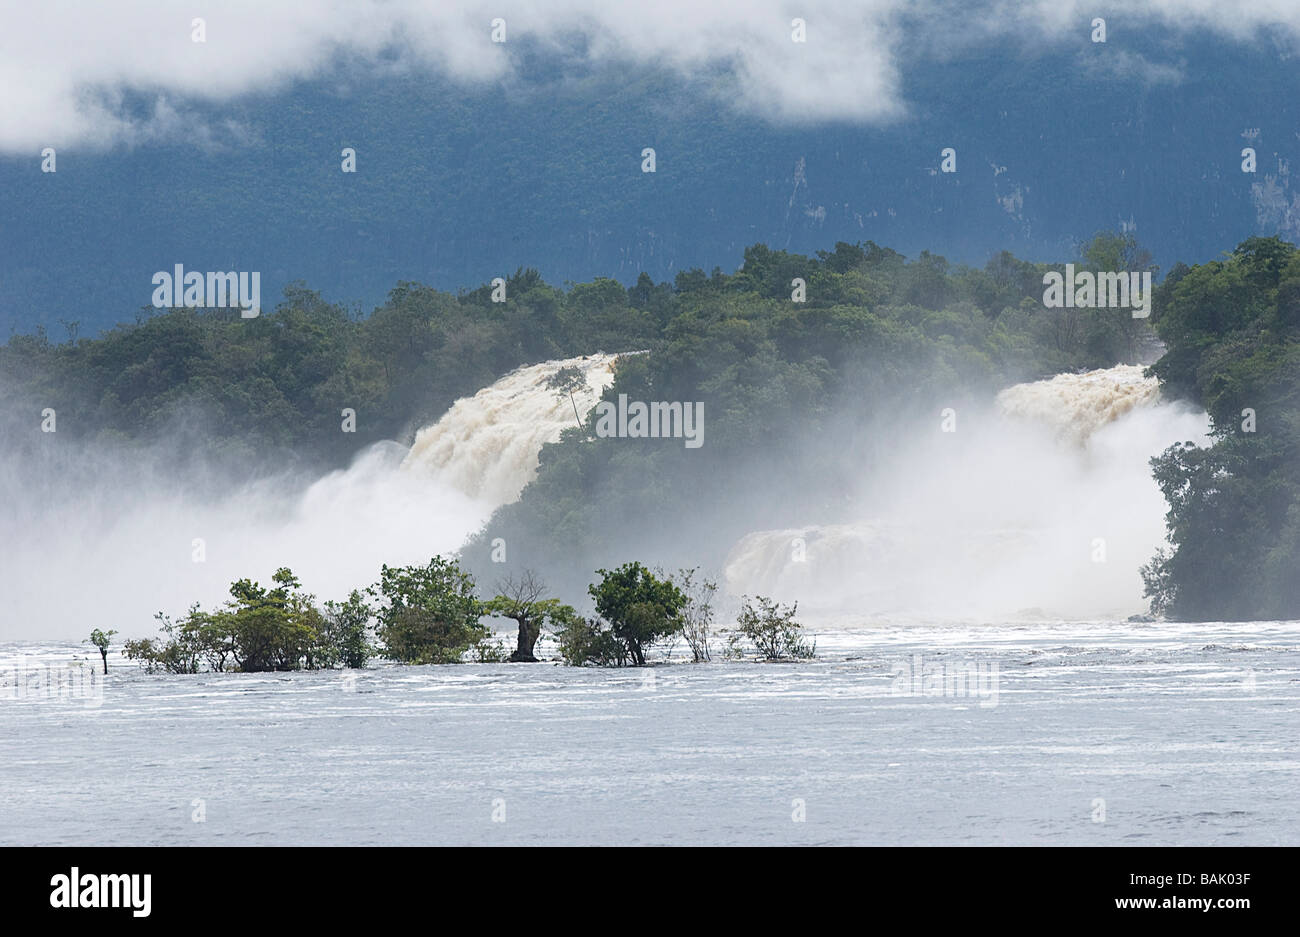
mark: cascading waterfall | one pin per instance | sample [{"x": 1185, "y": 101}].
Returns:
[
  {"x": 486, "y": 446},
  {"x": 1044, "y": 508},
  {"x": 1078, "y": 405},
  {"x": 134, "y": 540}
]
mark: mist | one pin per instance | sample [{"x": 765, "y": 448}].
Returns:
[
  {"x": 104, "y": 535},
  {"x": 1040, "y": 506}
]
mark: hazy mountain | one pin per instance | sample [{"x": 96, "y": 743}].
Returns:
[{"x": 456, "y": 185}]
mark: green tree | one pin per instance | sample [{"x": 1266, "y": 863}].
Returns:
[
  {"x": 521, "y": 600},
  {"x": 1233, "y": 523},
  {"x": 344, "y": 636},
  {"x": 427, "y": 614},
  {"x": 275, "y": 628},
  {"x": 101, "y": 640},
  {"x": 640, "y": 608}
]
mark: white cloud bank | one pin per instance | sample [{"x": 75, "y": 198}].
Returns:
[{"x": 65, "y": 65}]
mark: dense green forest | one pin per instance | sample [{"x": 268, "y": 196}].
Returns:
[
  {"x": 274, "y": 386},
  {"x": 1232, "y": 333},
  {"x": 271, "y": 389}
]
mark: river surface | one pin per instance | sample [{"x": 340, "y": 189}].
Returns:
[{"x": 1080, "y": 733}]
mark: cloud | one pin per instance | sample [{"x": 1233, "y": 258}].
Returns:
[
  {"x": 1131, "y": 67},
  {"x": 1238, "y": 20},
  {"x": 65, "y": 65},
  {"x": 69, "y": 67}
]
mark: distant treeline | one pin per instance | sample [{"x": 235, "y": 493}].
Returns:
[{"x": 275, "y": 385}]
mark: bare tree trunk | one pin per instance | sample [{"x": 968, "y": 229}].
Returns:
[{"x": 529, "y": 631}]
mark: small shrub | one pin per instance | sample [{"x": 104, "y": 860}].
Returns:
[
  {"x": 772, "y": 630},
  {"x": 585, "y": 641},
  {"x": 344, "y": 634},
  {"x": 145, "y": 650},
  {"x": 490, "y": 652},
  {"x": 697, "y": 613}
]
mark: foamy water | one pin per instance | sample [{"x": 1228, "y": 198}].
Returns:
[
  {"x": 1047, "y": 504},
  {"x": 1004, "y": 516},
  {"x": 1189, "y": 733},
  {"x": 486, "y": 445}
]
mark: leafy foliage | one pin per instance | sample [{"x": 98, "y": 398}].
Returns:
[
  {"x": 585, "y": 641},
  {"x": 772, "y": 630},
  {"x": 275, "y": 385},
  {"x": 259, "y": 629},
  {"x": 427, "y": 614},
  {"x": 521, "y": 600},
  {"x": 344, "y": 634},
  {"x": 1232, "y": 330},
  {"x": 639, "y": 607},
  {"x": 102, "y": 639}
]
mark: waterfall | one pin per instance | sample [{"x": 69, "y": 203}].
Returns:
[
  {"x": 1043, "y": 508},
  {"x": 486, "y": 446},
  {"x": 106, "y": 540}
]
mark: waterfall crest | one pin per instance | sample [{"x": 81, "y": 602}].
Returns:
[{"x": 486, "y": 446}]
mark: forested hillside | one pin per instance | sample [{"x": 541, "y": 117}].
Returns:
[
  {"x": 1232, "y": 327},
  {"x": 791, "y": 391}
]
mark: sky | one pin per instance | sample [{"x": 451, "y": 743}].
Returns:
[{"x": 74, "y": 72}]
